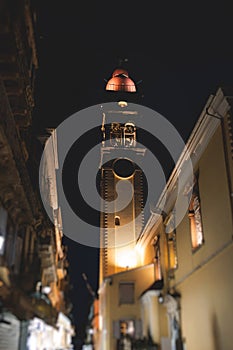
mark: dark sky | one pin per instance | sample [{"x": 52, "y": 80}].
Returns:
[{"x": 182, "y": 52}]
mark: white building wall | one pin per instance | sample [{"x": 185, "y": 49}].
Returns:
[{"x": 9, "y": 331}]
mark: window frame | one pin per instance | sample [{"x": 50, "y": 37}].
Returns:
[
  {"x": 195, "y": 216},
  {"x": 122, "y": 298},
  {"x": 157, "y": 259}
]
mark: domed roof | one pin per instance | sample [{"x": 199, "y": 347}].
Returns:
[
  {"x": 120, "y": 81},
  {"x": 120, "y": 71}
]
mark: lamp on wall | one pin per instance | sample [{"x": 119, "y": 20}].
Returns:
[{"x": 160, "y": 298}]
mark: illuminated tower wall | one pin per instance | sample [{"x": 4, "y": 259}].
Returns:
[{"x": 122, "y": 187}]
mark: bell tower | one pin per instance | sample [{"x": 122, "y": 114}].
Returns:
[{"x": 122, "y": 180}]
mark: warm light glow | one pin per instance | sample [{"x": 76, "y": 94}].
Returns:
[
  {"x": 2, "y": 240},
  {"x": 172, "y": 255},
  {"x": 122, "y": 104},
  {"x": 195, "y": 222},
  {"x": 158, "y": 272},
  {"x": 100, "y": 322},
  {"x": 140, "y": 254},
  {"x": 195, "y": 217},
  {"x": 126, "y": 258}
]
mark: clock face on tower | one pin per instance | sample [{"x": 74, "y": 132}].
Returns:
[{"x": 123, "y": 168}]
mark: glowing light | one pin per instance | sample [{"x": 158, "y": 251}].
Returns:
[
  {"x": 126, "y": 259},
  {"x": 140, "y": 253},
  {"x": 2, "y": 240},
  {"x": 46, "y": 289},
  {"x": 122, "y": 104}
]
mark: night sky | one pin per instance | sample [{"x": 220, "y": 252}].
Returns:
[{"x": 178, "y": 52}]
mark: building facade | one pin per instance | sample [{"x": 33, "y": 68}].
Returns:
[
  {"x": 192, "y": 251},
  {"x": 33, "y": 265}
]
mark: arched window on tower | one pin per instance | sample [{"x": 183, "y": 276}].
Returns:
[
  {"x": 116, "y": 135},
  {"x": 117, "y": 221},
  {"x": 129, "y": 135}
]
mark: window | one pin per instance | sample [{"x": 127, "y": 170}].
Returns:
[
  {"x": 117, "y": 221},
  {"x": 129, "y": 135},
  {"x": 116, "y": 135},
  {"x": 195, "y": 219},
  {"x": 131, "y": 327},
  {"x": 157, "y": 259},
  {"x": 171, "y": 244},
  {"x": 171, "y": 238},
  {"x": 126, "y": 293}
]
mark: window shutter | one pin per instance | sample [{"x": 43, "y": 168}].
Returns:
[
  {"x": 116, "y": 329},
  {"x": 138, "y": 329},
  {"x": 126, "y": 293}
]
